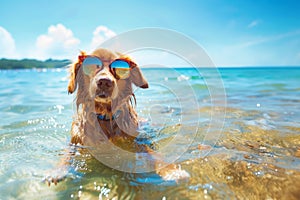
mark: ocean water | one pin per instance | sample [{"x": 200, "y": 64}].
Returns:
[{"x": 239, "y": 128}]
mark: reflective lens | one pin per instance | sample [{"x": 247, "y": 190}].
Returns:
[
  {"x": 90, "y": 64},
  {"x": 122, "y": 73},
  {"x": 120, "y": 64},
  {"x": 121, "y": 69}
]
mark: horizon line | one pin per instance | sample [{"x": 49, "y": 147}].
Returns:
[{"x": 160, "y": 67}]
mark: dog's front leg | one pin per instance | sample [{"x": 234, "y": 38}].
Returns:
[
  {"x": 61, "y": 171},
  {"x": 64, "y": 167}
]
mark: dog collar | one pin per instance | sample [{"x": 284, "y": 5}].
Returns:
[{"x": 106, "y": 117}]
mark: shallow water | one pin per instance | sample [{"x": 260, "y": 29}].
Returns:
[{"x": 254, "y": 155}]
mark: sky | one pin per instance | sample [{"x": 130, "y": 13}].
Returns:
[{"x": 232, "y": 32}]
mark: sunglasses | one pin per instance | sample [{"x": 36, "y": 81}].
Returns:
[{"x": 120, "y": 68}]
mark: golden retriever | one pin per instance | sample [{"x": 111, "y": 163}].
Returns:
[
  {"x": 100, "y": 90},
  {"x": 105, "y": 106}
]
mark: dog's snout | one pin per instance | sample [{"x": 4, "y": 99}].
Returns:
[{"x": 104, "y": 83}]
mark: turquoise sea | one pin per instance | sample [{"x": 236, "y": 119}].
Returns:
[{"x": 242, "y": 130}]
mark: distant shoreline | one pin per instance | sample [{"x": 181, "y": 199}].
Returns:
[
  {"x": 11, "y": 64},
  {"x": 32, "y": 64}
]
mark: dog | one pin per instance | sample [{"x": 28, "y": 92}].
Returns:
[
  {"x": 103, "y": 91},
  {"x": 105, "y": 107}
]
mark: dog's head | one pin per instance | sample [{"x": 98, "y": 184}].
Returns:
[{"x": 104, "y": 76}]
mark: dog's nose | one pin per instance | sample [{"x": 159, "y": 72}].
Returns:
[{"x": 104, "y": 83}]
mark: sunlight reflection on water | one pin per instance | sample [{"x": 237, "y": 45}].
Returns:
[{"x": 257, "y": 156}]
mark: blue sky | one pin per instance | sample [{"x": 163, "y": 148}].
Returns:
[{"x": 233, "y": 32}]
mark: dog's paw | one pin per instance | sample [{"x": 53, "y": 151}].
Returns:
[
  {"x": 56, "y": 175},
  {"x": 53, "y": 179}
]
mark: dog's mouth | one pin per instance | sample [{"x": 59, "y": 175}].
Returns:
[{"x": 102, "y": 96}]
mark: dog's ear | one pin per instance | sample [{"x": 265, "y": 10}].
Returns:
[
  {"x": 137, "y": 77},
  {"x": 73, "y": 75}
]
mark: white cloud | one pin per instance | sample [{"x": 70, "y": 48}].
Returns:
[
  {"x": 257, "y": 52},
  {"x": 7, "y": 44},
  {"x": 58, "y": 43},
  {"x": 254, "y": 23},
  {"x": 266, "y": 39},
  {"x": 101, "y": 34}
]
